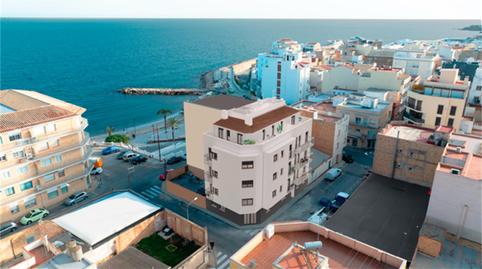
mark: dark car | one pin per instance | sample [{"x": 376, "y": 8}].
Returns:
[
  {"x": 76, "y": 198},
  {"x": 325, "y": 202},
  {"x": 174, "y": 160},
  {"x": 110, "y": 150},
  {"x": 347, "y": 158},
  {"x": 339, "y": 200},
  {"x": 121, "y": 154},
  {"x": 8, "y": 227},
  {"x": 138, "y": 159}
]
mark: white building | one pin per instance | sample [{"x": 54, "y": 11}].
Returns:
[
  {"x": 283, "y": 72},
  {"x": 475, "y": 92},
  {"x": 416, "y": 63},
  {"x": 457, "y": 187},
  {"x": 256, "y": 156}
]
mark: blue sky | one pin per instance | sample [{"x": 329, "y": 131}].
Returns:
[{"x": 359, "y": 9}]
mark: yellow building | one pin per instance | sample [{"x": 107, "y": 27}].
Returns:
[
  {"x": 44, "y": 152},
  {"x": 437, "y": 101}
]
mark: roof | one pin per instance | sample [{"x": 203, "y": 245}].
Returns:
[
  {"x": 223, "y": 101},
  {"x": 410, "y": 133},
  {"x": 104, "y": 218},
  {"x": 385, "y": 213},
  {"x": 133, "y": 258},
  {"x": 22, "y": 108},
  {"x": 63, "y": 260},
  {"x": 259, "y": 122},
  {"x": 463, "y": 152}
]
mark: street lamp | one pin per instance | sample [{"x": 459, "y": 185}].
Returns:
[{"x": 187, "y": 208}]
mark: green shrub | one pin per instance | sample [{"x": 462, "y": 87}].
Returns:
[{"x": 117, "y": 138}]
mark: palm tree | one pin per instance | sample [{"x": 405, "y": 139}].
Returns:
[
  {"x": 164, "y": 112},
  {"x": 173, "y": 123},
  {"x": 109, "y": 130}
]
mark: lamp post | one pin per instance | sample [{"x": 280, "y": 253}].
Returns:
[{"x": 187, "y": 208}]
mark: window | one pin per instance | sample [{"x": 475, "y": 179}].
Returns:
[
  {"x": 64, "y": 188},
  {"x": 478, "y": 88},
  {"x": 22, "y": 169},
  {"x": 264, "y": 134},
  {"x": 14, "y": 208},
  {"x": 49, "y": 177},
  {"x": 281, "y": 172},
  {"x": 45, "y": 162},
  {"x": 9, "y": 191},
  {"x": 282, "y": 153},
  {"x": 440, "y": 109},
  {"x": 26, "y": 186},
  {"x": 213, "y": 172},
  {"x": 247, "y": 183},
  {"x": 58, "y": 158},
  {"x": 306, "y": 137},
  {"x": 50, "y": 127},
  {"x": 220, "y": 132},
  {"x": 280, "y": 188},
  {"x": 61, "y": 173},
  {"x": 29, "y": 202},
  {"x": 275, "y": 157},
  {"x": 437, "y": 121},
  {"x": 247, "y": 201},
  {"x": 273, "y": 194},
  {"x": 6, "y": 174},
  {"x": 453, "y": 110},
  {"x": 450, "y": 123},
  {"x": 272, "y": 129},
  {"x": 293, "y": 119},
  {"x": 18, "y": 154},
  {"x": 42, "y": 146},
  {"x": 3, "y": 157},
  {"x": 228, "y": 134},
  {"x": 275, "y": 176},
  {"x": 212, "y": 155},
  {"x": 52, "y": 194},
  {"x": 15, "y": 136},
  {"x": 239, "y": 139},
  {"x": 215, "y": 191},
  {"x": 358, "y": 120},
  {"x": 247, "y": 165}
]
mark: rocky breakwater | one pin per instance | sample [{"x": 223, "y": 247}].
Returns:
[{"x": 161, "y": 91}]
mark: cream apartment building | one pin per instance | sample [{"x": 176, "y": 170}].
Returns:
[
  {"x": 438, "y": 100},
  {"x": 257, "y": 156},
  {"x": 44, "y": 152}
]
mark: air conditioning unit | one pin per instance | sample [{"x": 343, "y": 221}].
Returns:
[
  {"x": 268, "y": 232},
  {"x": 455, "y": 171}
]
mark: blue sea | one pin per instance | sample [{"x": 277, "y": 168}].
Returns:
[{"x": 86, "y": 61}]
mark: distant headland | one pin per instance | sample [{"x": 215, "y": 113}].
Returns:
[{"x": 473, "y": 27}]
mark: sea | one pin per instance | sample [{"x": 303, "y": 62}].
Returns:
[{"x": 85, "y": 61}]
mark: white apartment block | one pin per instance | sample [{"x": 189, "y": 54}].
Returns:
[
  {"x": 256, "y": 156},
  {"x": 456, "y": 191},
  {"x": 416, "y": 63},
  {"x": 283, "y": 72}
]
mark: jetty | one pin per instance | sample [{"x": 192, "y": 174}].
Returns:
[{"x": 161, "y": 91}]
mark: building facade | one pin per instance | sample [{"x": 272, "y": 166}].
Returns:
[
  {"x": 256, "y": 156},
  {"x": 44, "y": 152},
  {"x": 437, "y": 101},
  {"x": 455, "y": 199},
  {"x": 409, "y": 153},
  {"x": 199, "y": 117},
  {"x": 283, "y": 72},
  {"x": 416, "y": 63}
]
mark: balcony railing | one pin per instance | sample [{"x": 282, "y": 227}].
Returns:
[
  {"x": 412, "y": 118},
  {"x": 207, "y": 159}
]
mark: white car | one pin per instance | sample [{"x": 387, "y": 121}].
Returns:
[
  {"x": 332, "y": 174},
  {"x": 129, "y": 155},
  {"x": 97, "y": 171}
]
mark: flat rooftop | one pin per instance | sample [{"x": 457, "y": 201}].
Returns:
[
  {"x": 223, "y": 101},
  {"x": 106, "y": 216},
  {"x": 133, "y": 258},
  {"x": 385, "y": 213},
  {"x": 64, "y": 261},
  {"x": 463, "y": 152},
  {"x": 409, "y": 133},
  {"x": 285, "y": 248}
]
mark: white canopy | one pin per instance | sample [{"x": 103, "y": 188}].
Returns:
[{"x": 104, "y": 218}]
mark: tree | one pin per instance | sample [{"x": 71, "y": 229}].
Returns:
[
  {"x": 117, "y": 138},
  {"x": 109, "y": 130},
  {"x": 173, "y": 123},
  {"x": 164, "y": 112}
]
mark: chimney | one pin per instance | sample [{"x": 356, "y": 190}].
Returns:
[
  {"x": 224, "y": 114},
  {"x": 248, "y": 121}
]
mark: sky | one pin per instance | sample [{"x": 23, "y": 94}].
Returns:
[{"x": 314, "y": 9}]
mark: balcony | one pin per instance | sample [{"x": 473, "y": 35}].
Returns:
[
  {"x": 413, "y": 118},
  {"x": 208, "y": 177},
  {"x": 305, "y": 146},
  {"x": 207, "y": 159},
  {"x": 301, "y": 179}
]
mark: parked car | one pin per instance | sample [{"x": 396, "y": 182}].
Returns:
[
  {"x": 129, "y": 155},
  {"x": 97, "y": 171},
  {"x": 347, "y": 158},
  {"x": 332, "y": 174},
  {"x": 76, "y": 198},
  {"x": 340, "y": 198},
  {"x": 325, "y": 202},
  {"x": 110, "y": 150},
  {"x": 122, "y": 153},
  {"x": 174, "y": 160},
  {"x": 319, "y": 217},
  {"x": 34, "y": 215},
  {"x": 8, "y": 227},
  {"x": 138, "y": 159}
]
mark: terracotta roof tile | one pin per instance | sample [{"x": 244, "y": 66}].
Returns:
[{"x": 24, "y": 118}]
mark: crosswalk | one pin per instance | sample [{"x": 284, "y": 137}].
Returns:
[
  {"x": 151, "y": 193},
  {"x": 222, "y": 260}
]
